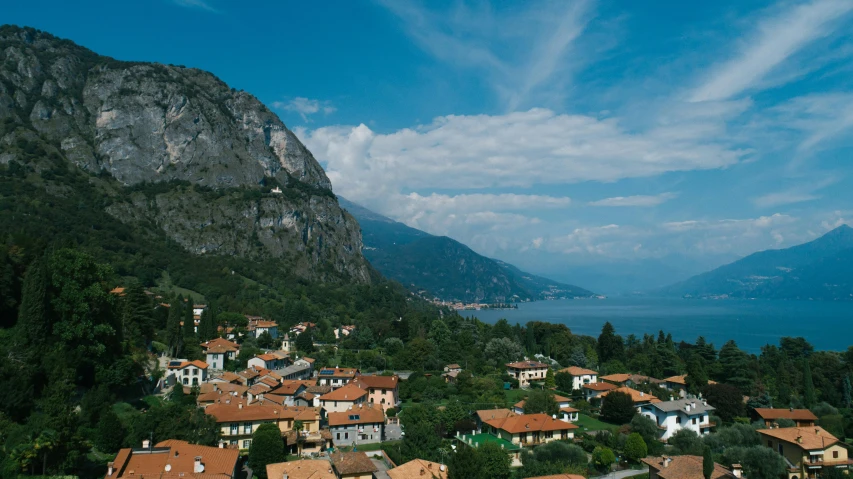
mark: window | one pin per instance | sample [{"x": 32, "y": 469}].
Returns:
[
  {"x": 234, "y": 428},
  {"x": 186, "y": 381},
  {"x": 769, "y": 443},
  {"x": 346, "y": 435},
  {"x": 835, "y": 454},
  {"x": 678, "y": 420},
  {"x": 195, "y": 372},
  {"x": 247, "y": 428},
  {"x": 694, "y": 420},
  {"x": 339, "y": 437},
  {"x": 780, "y": 450},
  {"x": 246, "y": 444}
]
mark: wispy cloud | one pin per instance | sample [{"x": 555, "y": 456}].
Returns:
[
  {"x": 807, "y": 191},
  {"x": 197, "y": 4},
  {"x": 522, "y": 52},
  {"x": 778, "y": 37},
  {"x": 305, "y": 107},
  {"x": 636, "y": 200}
]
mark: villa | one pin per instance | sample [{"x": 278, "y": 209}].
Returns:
[
  {"x": 526, "y": 372},
  {"x": 672, "y": 416},
  {"x": 580, "y": 376},
  {"x": 808, "y": 451}
]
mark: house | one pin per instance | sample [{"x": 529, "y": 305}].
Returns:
[
  {"x": 172, "y": 459},
  {"x": 802, "y": 417},
  {"x": 212, "y": 392},
  {"x": 381, "y": 390},
  {"x": 807, "y": 450},
  {"x": 672, "y": 416},
  {"x": 336, "y": 377},
  {"x": 567, "y": 413},
  {"x": 352, "y": 465},
  {"x": 419, "y": 469},
  {"x": 270, "y": 361},
  {"x": 342, "y": 399},
  {"x": 362, "y": 424},
  {"x": 188, "y": 373},
  {"x": 307, "y": 443},
  {"x": 527, "y": 371},
  {"x": 639, "y": 398},
  {"x": 580, "y": 376},
  {"x": 450, "y": 372},
  {"x": 484, "y": 415},
  {"x": 678, "y": 384},
  {"x": 343, "y": 331},
  {"x": 301, "y": 469},
  {"x": 257, "y": 327},
  {"x": 300, "y": 328},
  {"x": 530, "y": 429},
  {"x": 219, "y": 350},
  {"x": 594, "y": 390},
  {"x": 630, "y": 380},
  {"x": 299, "y": 370},
  {"x": 238, "y": 419},
  {"x": 289, "y": 389},
  {"x": 686, "y": 467}
]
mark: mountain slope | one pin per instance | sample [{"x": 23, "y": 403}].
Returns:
[
  {"x": 446, "y": 268},
  {"x": 820, "y": 269},
  {"x": 174, "y": 149}
]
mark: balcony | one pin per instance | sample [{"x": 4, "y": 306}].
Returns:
[{"x": 818, "y": 461}]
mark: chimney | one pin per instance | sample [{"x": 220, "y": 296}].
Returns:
[
  {"x": 110, "y": 469},
  {"x": 221, "y": 445},
  {"x": 791, "y": 409},
  {"x": 198, "y": 467},
  {"x": 642, "y": 394},
  {"x": 737, "y": 470},
  {"x": 146, "y": 444},
  {"x": 284, "y": 476},
  {"x": 240, "y": 406},
  {"x": 666, "y": 461},
  {"x": 423, "y": 472}
]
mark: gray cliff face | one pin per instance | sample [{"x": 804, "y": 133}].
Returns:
[{"x": 145, "y": 122}]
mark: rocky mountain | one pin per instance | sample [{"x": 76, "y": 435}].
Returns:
[
  {"x": 175, "y": 149},
  {"x": 820, "y": 269},
  {"x": 446, "y": 268}
]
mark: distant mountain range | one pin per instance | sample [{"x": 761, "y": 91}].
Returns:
[
  {"x": 820, "y": 269},
  {"x": 445, "y": 268}
]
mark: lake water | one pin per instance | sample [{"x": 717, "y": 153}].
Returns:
[{"x": 751, "y": 323}]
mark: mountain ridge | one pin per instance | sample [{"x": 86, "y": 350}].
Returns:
[
  {"x": 445, "y": 267},
  {"x": 818, "y": 269}
]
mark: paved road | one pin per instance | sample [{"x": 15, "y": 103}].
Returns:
[
  {"x": 625, "y": 473},
  {"x": 380, "y": 469},
  {"x": 392, "y": 432}
]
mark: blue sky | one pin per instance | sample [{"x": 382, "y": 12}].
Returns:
[{"x": 544, "y": 133}]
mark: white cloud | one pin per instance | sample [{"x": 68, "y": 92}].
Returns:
[
  {"x": 777, "y": 38},
  {"x": 772, "y": 200},
  {"x": 636, "y": 200},
  {"x": 741, "y": 225},
  {"x": 305, "y": 106},
  {"x": 522, "y": 51},
  {"x": 199, "y": 4}
]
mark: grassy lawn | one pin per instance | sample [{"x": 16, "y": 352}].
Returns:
[
  {"x": 587, "y": 423},
  {"x": 375, "y": 446},
  {"x": 515, "y": 395},
  {"x": 167, "y": 286}
]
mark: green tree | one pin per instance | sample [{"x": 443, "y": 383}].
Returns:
[
  {"x": 553, "y": 458},
  {"x": 736, "y": 368},
  {"x": 422, "y": 438},
  {"x": 686, "y": 442},
  {"x": 610, "y": 345},
  {"x": 707, "y": 463},
  {"x": 174, "y": 336},
  {"x": 189, "y": 321},
  {"x": 464, "y": 464},
  {"x": 494, "y": 461},
  {"x": 696, "y": 378},
  {"x": 541, "y": 401},
  {"x": 809, "y": 396},
  {"x": 603, "y": 458},
  {"x": 550, "y": 383},
  {"x": 846, "y": 391},
  {"x": 726, "y": 399},
  {"x": 564, "y": 382},
  {"x": 635, "y": 447},
  {"x": 617, "y": 408},
  {"x": 110, "y": 433},
  {"x": 267, "y": 448},
  {"x": 136, "y": 316},
  {"x": 33, "y": 321},
  {"x": 304, "y": 342}
]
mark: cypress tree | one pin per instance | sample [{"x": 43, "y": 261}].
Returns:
[
  {"x": 707, "y": 463},
  {"x": 207, "y": 325},
  {"x": 33, "y": 313},
  {"x": 174, "y": 338},
  {"x": 189, "y": 319},
  {"x": 110, "y": 434},
  {"x": 846, "y": 391},
  {"x": 809, "y": 397}
]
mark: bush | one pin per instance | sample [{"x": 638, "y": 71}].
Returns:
[{"x": 617, "y": 408}]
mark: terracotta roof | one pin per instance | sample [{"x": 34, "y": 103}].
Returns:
[
  {"x": 616, "y": 378},
  {"x": 230, "y": 377},
  {"x": 528, "y": 423},
  {"x": 352, "y": 463},
  {"x": 266, "y": 357},
  {"x": 259, "y": 388},
  {"x": 486, "y": 414},
  {"x": 179, "y": 458},
  {"x": 558, "y": 476},
  {"x": 380, "y": 382},
  {"x": 600, "y": 386},
  {"x": 232, "y": 412},
  {"x": 269, "y": 381},
  {"x": 264, "y": 324},
  {"x": 196, "y": 363},
  {"x": 636, "y": 396},
  {"x": 527, "y": 365},
  {"x": 577, "y": 371},
  {"x": 418, "y": 469},
  {"x": 807, "y": 438},
  {"x": 119, "y": 291},
  {"x": 248, "y": 373},
  {"x": 319, "y": 390},
  {"x": 306, "y": 396},
  {"x": 288, "y": 388},
  {"x": 357, "y": 415},
  {"x": 682, "y": 380},
  {"x": 301, "y": 469},
  {"x": 221, "y": 342},
  {"x": 453, "y": 366},
  {"x": 218, "y": 350},
  {"x": 290, "y": 436},
  {"x": 274, "y": 398},
  {"x": 569, "y": 409},
  {"x": 224, "y": 387},
  {"x": 310, "y": 360},
  {"x": 793, "y": 414},
  {"x": 337, "y": 373},
  {"x": 350, "y": 392},
  {"x": 685, "y": 467}
]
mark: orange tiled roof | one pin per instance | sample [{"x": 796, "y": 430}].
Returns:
[
  {"x": 685, "y": 467},
  {"x": 380, "y": 382},
  {"x": 364, "y": 415},
  {"x": 616, "y": 378},
  {"x": 175, "y": 459},
  {"x": 352, "y": 463},
  {"x": 577, "y": 371},
  {"x": 196, "y": 363},
  {"x": 527, "y": 365},
  {"x": 487, "y": 414},
  {"x": 793, "y": 414},
  {"x": 681, "y": 380},
  {"x": 350, "y": 392},
  {"x": 232, "y": 412},
  {"x": 419, "y": 469},
  {"x": 806, "y": 438},
  {"x": 529, "y": 423},
  {"x": 636, "y": 396},
  {"x": 600, "y": 386},
  {"x": 301, "y": 469},
  {"x": 337, "y": 372}
]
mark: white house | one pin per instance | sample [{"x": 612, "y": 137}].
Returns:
[
  {"x": 342, "y": 399},
  {"x": 219, "y": 350},
  {"x": 189, "y": 373},
  {"x": 273, "y": 360},
  {"x": 336, "y": 377},
  {"x": 260, "y": 326},
  {"x": 580, "y": 376},
  {"x": 693, "y": 414}
]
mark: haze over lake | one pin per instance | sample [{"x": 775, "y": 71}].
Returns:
[{"x": 751, "y": 323}]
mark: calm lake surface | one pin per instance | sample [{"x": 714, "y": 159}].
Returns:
[{"x": 751, "y": 323}]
